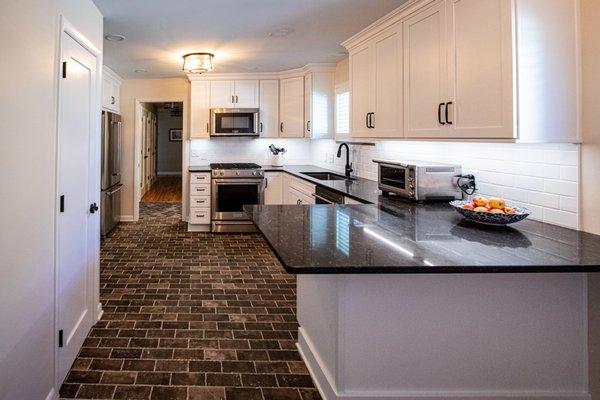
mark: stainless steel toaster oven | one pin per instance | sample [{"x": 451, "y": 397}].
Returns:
[{"x": 419, "y": 180}]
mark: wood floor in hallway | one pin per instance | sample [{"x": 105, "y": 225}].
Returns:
[
  {"x": 165, "y": 189},
  {"x": 190, "y": 316}
]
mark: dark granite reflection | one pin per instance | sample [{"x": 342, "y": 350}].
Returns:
[{"x": 402, "y": 237}]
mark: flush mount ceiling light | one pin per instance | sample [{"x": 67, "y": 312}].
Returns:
[
  {"x": 198, "y": 63},
  {"x": 114, "y": 38},
  {"x": 281, "y": 32}
]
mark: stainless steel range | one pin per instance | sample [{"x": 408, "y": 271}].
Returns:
[{"x": 235, "y": 185}]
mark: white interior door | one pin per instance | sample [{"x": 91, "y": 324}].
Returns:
[
  {"x": 361, "y": 91},
  {"x": 480, "y": 68},
  {"x": 144, "y": 145},
  {"x": 246, "y": 92},
  {"x": 425, "y": 72},
  {"x": 76, "y": 166}
]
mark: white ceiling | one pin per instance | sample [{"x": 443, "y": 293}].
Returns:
[{"x": 158, "y": 32}]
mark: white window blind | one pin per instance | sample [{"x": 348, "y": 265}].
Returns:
[{"x": 342, "y": 111}]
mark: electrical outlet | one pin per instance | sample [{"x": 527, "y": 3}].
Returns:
[{"x": 330, "y": 158}]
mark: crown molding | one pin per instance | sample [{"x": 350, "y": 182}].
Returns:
[
  {"x": 111, "y": 74},
  {"x": 291, "y": 73},
  {"x": 385, "y": 22}
]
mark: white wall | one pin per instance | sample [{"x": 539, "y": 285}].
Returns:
[
  {"x": 29, "y": 32},
  {"x": 169, "y": 153}
]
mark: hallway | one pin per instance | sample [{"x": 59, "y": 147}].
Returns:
[
  {"x": 190, "y": 316},
  {"x": 164, "y": 189}
]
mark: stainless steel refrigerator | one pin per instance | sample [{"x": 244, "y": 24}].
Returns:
[{"x": 111, "y": 172}]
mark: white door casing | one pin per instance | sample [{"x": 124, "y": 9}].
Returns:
[{"x": 77, "y": 234}]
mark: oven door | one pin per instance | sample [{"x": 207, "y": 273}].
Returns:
[
  {"x": 396, "y": 179},
  {"x": 229, "y": 196},
  {"x": 234, "y": 122}
]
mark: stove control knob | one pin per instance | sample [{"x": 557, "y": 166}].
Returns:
[
  {"x": 237, "y": 173},
  {"x": 222, "y": 173},
  {"x": 254, "y": 173}
]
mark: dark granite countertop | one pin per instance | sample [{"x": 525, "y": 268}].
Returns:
[{"x": 400, "y": 237}]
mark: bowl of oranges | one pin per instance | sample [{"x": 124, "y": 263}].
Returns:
[{"x": 492, "y": 211}]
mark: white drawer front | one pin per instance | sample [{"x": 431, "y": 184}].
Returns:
[
  {"x": 199, "y": 216},
  {"x": 199, "y": 189},
  {"x": 200, "y": 202},
  {"x": 200, "y": 178}
]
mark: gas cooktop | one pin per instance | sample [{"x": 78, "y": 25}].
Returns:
[{"x": 234, "y": 166}]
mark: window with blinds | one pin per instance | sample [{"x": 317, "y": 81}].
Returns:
[{"x": 342, "y": 111}]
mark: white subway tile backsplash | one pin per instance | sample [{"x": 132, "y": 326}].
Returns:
[{"x": 541, "y": 177}]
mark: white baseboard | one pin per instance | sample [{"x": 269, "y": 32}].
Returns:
[
  {"x": 328, "y": 391},
  {"x": 126, "y": 218},
  {"x": 169, "y": 173},
  {"x": 100, "y": 311},
  {"x": 53, "y": 395}
]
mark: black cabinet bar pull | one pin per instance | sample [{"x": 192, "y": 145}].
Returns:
[
  {"x": 448, "y": 106},
  {"x": 281, "y": 127},
  {"x": 367, "y": 120},
  {"x": 261, "y": 127},
  {"x": 371, "y": 120},
  {"x": 440, "y": 114}
]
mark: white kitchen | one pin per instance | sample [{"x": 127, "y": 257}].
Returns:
[{"x": 272, "y": 199}]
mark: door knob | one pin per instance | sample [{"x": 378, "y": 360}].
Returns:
[{"x": 93, "y": 208}]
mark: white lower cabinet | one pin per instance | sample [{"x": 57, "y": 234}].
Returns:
[
  {"x": 273, "y": 188},
  {"x": 297, "y": 191},
  {"x": 200, "y": 211}
]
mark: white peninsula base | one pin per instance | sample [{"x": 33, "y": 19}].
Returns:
[{"x": 454, "y": 336}]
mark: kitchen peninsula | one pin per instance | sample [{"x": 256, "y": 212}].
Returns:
[{"x": 403, "y": 301}]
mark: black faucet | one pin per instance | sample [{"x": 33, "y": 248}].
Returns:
[{"x": 348, "y": 163}]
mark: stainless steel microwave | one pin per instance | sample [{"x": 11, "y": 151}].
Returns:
[
  {"x": 418, "y": 180},
  {"x": 234, "y": 122}
]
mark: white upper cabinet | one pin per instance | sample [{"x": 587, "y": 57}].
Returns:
[
  {"x": 200, "y": 109},
  {"x": 471, "y": 69},
  {"x": 425, "y": 72},
  {"x": 376, "y": 86},
  {"x": 111, "y": 87},
  {"x": 319, "y": 98},
  {"x": 269, "y": 108},
  {"x": 291, "y": 107},
  {"x": 246, "y": 94},
  {"x": 458, "y": 71},
  {"x": 234, "y": 94}
]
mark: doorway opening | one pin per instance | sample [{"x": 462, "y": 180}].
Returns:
[{"x": 162, "y": 139}]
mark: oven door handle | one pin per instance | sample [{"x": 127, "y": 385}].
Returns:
[
  {"x": 224, "y": 181},
  {"x": 316, "y": 196}
]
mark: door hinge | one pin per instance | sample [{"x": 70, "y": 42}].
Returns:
[
  {"x": 62, "y": 203},
  {"x": 64, "y": 69},
  {"x": 60, "y": 338}
]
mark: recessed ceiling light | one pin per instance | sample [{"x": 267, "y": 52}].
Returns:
[
  {"x": 114, "y": 38},
  {"x": 281, "y": 32},
  {"x": 141, "y": 71}
]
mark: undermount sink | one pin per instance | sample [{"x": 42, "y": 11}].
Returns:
[{"x": 326, "y": 176}]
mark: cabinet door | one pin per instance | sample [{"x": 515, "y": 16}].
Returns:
[
  {"x": 246, "y": 94},
  {"x": 308, "y": 104},
  {"x": 425, "y": 72},
  {"x": 360, "y": 90},
  {"x": 199, "y": 109},
  {"x": 221, "y": 94},
  {"x": 269, "y": 108},
  {"x": 292, "y": 107},
  {"x": 387, "y": 106},
  {"x": 273, "y": 188},
  {"x": 480, "y": 68}
]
